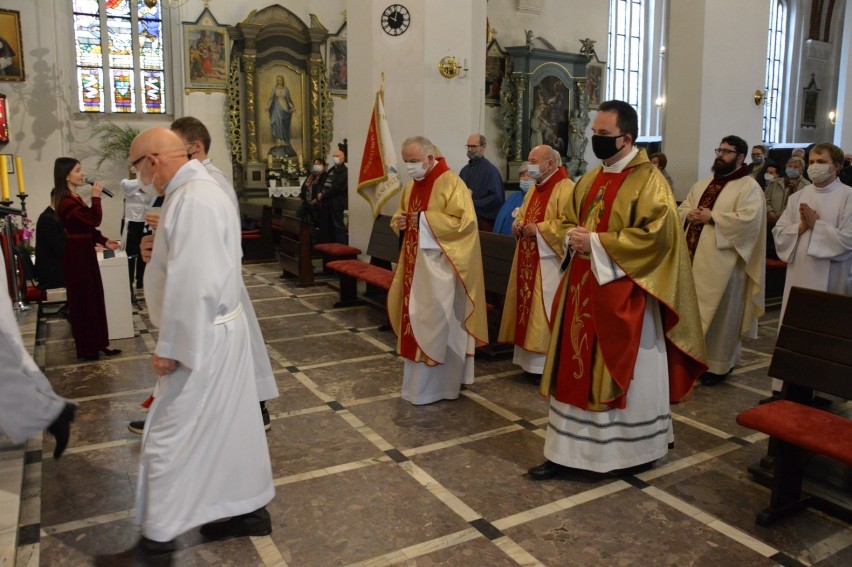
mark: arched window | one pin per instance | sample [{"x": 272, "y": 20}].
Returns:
[
  {"x": 626, "y": 51},
  {"x": 119, "y": 52},
  {"x": 775, "y": 61}
]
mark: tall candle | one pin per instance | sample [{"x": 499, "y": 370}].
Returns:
[
  {"x": 4, "y": 178},
  {"x": 19, "y": 172}
]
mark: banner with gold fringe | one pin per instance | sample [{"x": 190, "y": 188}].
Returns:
[{"x": 378, "y": 178}]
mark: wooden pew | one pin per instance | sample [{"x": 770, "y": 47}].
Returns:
[
  {"x": 813, "y": 352},
  {"x": 498, "y": 250},
  {"x": 292, "y": 236}
]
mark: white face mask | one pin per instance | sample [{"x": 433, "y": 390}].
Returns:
[
  {"x": 416, "y": 170},
  {"x": 148, "y": 188},
  {"x": 533, "y": 171},
  {"x": 316, "y": 168},
  {"x": 336, "y": 160},
  {"x": 820, "y": 172},
  {"x": 769, "y": 177}
]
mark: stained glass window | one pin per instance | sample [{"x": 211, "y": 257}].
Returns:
[
  {"x": 624, "y": 68},
  {"x": 775, "y": 51},
  {"x": 120, "y": 63}
]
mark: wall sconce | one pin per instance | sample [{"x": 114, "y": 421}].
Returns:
[
  {"x": 449, "y": 68},
  {"x": 659, "y": 102},
  {"x": 832, "y": 116},
  {"x": 758, "y": 97}
]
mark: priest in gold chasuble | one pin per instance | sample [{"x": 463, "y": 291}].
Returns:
[
  {"x": 626, "y": 339},
  {"x": 535, "y": 269},
  {"x": 436, "y": 303}
]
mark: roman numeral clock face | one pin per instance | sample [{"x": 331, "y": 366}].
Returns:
[{"x": 395, "y": 19}]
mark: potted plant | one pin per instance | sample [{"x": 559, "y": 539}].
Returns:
[{"x": 115, "y": 142}]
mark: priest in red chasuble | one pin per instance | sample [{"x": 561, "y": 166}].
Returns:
[
  {"x": 626, "y": 339},
  {"x": 436, "y": 303},
  {"x": 535, "y": 269}
]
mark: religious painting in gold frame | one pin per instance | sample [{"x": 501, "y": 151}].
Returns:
[
  {"x": 596, "y": 83},
  {"x": 11, "y": 49},
  {"x": 495, "y": 70},
  {"x": 206, "y": 46},
  {"x": 270, "y": 102},
  {"x": 337, "y": 61}
]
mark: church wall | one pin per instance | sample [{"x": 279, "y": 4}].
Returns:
[{"x": 563, "y": 23}]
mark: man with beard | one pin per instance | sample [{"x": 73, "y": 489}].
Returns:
[
  {"x": 626, "y": 342},
  {"x": 725, "y": 221},
  {"x": 484, "y": 181}
]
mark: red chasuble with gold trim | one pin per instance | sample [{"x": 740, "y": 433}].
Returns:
[
  {"x": 589, "y": 317},
  {"x": 528, "y": 256},
  {"x": 421, "y": 192}
]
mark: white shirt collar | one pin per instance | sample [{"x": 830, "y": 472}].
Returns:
[
  {"x": 828, "y": 188},
  {"x": 619, "y": 166}
]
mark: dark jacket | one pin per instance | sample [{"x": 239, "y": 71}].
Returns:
[{"x": 50, "y": 243}]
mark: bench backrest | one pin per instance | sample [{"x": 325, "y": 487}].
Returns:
[
  {"x": 814, "y": 346},
  {"x": 383, "y": 247},
  {"x": 498, "y": 250},
  {"x": 287, "y": 205}
]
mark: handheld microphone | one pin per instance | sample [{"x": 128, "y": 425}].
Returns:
[{"x": 105, "y": 191}]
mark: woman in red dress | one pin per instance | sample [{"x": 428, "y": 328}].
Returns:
[{"x": 79, "y": 261}]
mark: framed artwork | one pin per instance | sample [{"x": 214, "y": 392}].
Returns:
[
  {"x": 495, "y": 70},
  {"x": 206, "y": 46},
  {"x": 549, "y": 119},
  {"x": 336, "y": 59},
  {"x": 11, "y": 50},
  {"x": 810, "y": 104},
  {"x": 596, "y": 83},
  {"x": 281, "y": 98}
]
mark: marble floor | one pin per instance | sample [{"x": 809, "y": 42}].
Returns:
[{"x": 364, "y": 478}]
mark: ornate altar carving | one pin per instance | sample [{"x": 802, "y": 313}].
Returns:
[
  {"x": 544, "y": 101},
  {"x": 280, "y": 111}
]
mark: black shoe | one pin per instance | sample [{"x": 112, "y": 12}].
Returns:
[
  {"x": 146, "y": 552},
  {"x": 90, "y": 357},
  {"x": 255, "y": 523},
  {"x": 773, "y": 398},
  {"x": 710, "y": 379},
  {"x": 137, "y": 427},
  {"x": 546, "y": 471},
  {"x": 264, "y": 413},
  {"x": 532, "y": 378},
  {"x": 111, "y": 351},
  {"x": 61, "y": 429}
]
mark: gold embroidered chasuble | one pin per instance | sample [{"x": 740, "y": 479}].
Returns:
[
  {"x": 451, "y": 217},
  {"x": 645, "y": 240},
  {"x": 534, "y": 313}
]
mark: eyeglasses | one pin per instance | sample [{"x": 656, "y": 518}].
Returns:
[
  {"x": 135, "y": 164},
  {"x": 756, "y": 156},
  {"x": 724, "y": 151}
]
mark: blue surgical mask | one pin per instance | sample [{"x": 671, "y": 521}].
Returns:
[
  {"x": 793, "y": 173},
  {"x": 526, "y": 184}
]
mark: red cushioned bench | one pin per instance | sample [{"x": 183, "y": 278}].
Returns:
[
  {"x": 813, "y": 353},
  {"x": 332, "y": 251},
  {"x": 383, "y": 250}
]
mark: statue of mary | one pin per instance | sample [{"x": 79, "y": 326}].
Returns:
[{"x": 281, "y": 110}]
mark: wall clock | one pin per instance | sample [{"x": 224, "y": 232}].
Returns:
[{"x": 395, "y": 19}]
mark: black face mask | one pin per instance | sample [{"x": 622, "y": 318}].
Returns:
[{"x": 604, "y": 146}]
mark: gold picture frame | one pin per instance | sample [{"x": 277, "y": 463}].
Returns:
[
  {"x": 207, "y": 49},
  {"x": 11, "y": 48}
]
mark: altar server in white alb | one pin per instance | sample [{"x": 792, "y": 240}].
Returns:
[
  {"x": 196, "y": 138},
  {"x": 204, "y": 453},
  {"x": 814, "y": 234},
  {"x": 28, "y": 405},
  {"x": 724, "y": 218}
]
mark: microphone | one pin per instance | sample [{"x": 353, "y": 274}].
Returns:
[{"x": 105, "y": 191}]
